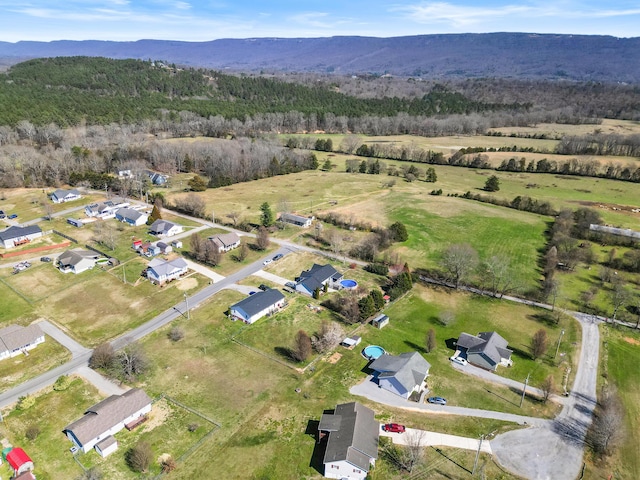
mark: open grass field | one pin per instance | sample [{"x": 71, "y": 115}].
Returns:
[
  {"x": 27, "y": 203},
  {"x": 608, "y": 126}
]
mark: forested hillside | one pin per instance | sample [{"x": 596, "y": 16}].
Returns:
[{"x": 73, "y": 90}]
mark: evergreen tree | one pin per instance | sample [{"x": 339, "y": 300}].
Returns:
[
  {"x": 198, "y": 184},
  {"x": 363, "y": 167},
  {"x": 398, "y": 232},
  {"x": 156, "y": 213},
  {"x": 492, "y": 184},
  {"x": 378, "y": 298},
  {"x": 367, "y": 307},
  {"x": 266, "y": 219},
  {"x": 431, "y": 175}
]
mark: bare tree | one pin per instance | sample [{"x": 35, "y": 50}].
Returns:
[
  {"x": 139, "y": 457},
  {"x": 242, "y": 252},
  {"x": 336, "y": 239},
  {"x": 94, "y": 473},
  {"x": 547, "y": 387},
  {"x": 176, "y": 334},
  {"x": 212, "y": 254},
  {"x": 458, "y": 260},
  {"x": 235, "y": 217},
  {"x": 497, "y": 273},
  {"x": 196, "y": 244},
  {"x": 106, "y": 233},
  {"x": 103, "y": 356},
  {"x": 262, "y": 239},
  {"x": 619, "y": 297},
  {"x": 301, "y": 347},
  {"x": 329, "y": 336},
  {"x": 539, "y": 343},
  {"x": 431, "y": 340},
  {"x": 409, "y": 456},
  {"x": 447, "y": 317},
  {"x": 606, "y": 428},
  {"x": 132, "y": 361},
  {"x": 350, "y": 143}
]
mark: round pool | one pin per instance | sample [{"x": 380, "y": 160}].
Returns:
[
  {"x": 372, "y": 352},
  {"x": 348, "y": 284},
  {"x": 102, "y": 261}
]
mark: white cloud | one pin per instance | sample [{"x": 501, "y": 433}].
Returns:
[
  {"x": 312, "y": 19},
  {"x": 182, "y": 5}
]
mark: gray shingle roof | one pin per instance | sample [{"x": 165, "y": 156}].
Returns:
[
  {"x": 130, "y": 213},
  {"x": 13, "y": 337},
  {"x": 164, "y": 267},
  {"x": 160, "y": 226},
  {"x": 74, "y": 257},
  {"x": 16, "y": 232},
  {"x": 353, "y": 435},
  {"x": 293, "y": 218},
  {"x": 109, "y": 412},
  {"x": 317, "y": 275},
  {"x": 491, "y": 344},
  {"x": 409, "y": 368},
  {"x": 259, "y": 301},
  {"x": 225, "y": 240}
]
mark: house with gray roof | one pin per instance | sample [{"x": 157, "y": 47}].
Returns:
[
  {"x": 297, "y": 220},
  {"x": 62, "y": 196},
  {"x": 104, "y": 419},
  {"x": 164, "y": 228},
  {"x": 317, "y": 277},
  {"x": 401, "y": 374},
  {"x": 77, "y": 261},
  {"x": 226, "y": 241},
  {"x": 352, "y": 443},
  {"x": 131, "y": 216},
  {"x": 161, "y": 271},
  {"x": 16, "y": 339},
  {"x": 105, "y": 210},
  {"x": 486, "y": 350},
  {"x": 16, "y": 236},
  {"x": 256, "y": 306}
]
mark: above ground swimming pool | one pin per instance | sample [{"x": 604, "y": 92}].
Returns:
[
  {"x": 348, "y": 284},
  {"x": 372, "y": 352}
]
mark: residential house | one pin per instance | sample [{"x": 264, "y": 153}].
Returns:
[
  {"x": 164, "y": 228},
  {"x": 317, "y": 277},
  {"x": 352, "y": 444},
  {"x": 161, "y": 271},
  {"x": 486, "y": 350},
  {"x": 401, "y": 374},
  {"x": 101, "y": 421},
  {"x": 164, "y": 248},
  {"x": 297, "y": 220},
  {"x": 258, "y": 305},
  {"x": 16, "y": 236},
  {"x": 61, "y": 196},
  {"x": 157, "y": 178},
  {"x": 148, "y": 249},
  {"x": 77, "y": 261},
  {"x": 16, "y": 339},
  {"x": 176, "y": 244},
  {"x": 105, "y": 210},
  {"x": 226, "y": 241},
  {"x": 131, "y": 216},
  {"x": 19, "y": 461}
]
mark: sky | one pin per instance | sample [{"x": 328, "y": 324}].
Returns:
[{"x": 203, "y": 20}]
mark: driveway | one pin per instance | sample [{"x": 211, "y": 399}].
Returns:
[
  {"x": 201, "y": 269},
  {"x": 271, "y": 277},
  {"x": 435, "y": 439},
  {"x": 62, "y": 338}
]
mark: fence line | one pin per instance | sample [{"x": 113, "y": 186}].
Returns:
[{"x": 63, "y": 235}]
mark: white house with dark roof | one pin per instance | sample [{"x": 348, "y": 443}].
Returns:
[
  {"x": 106, "y": 418},
  {"x": 105, "y": 210},
  {"x": 256, "y": 306},
  {"x": 16, "y": 236},
  {"x": 401, "y": 374},
  {"x": 317, "y": 277},
  {"x": 161, "y": 271},
  {"x": 15, "y": 339},
  {"x": 131, "y": 216},
  {"x": 352, "y": 444},
  {"x": 62, "y": 196},
  {"x": 77, "y": 261},
  {"x": 297, "y": 220},
  {"x": 226, "y": 241},
  {"x": 164, "y": 228},
  {"x": 486, "y": 350}
]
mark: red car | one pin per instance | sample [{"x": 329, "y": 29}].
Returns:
[{"x": 393, "y": 427}]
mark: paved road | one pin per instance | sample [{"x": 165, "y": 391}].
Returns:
[{"x": 370, "y": 390}]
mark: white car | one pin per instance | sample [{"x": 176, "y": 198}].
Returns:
[
  {"x": 459, "y": 360},
  {"x": 267, "y": 261}
]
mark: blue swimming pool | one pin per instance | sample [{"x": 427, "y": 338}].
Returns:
[
  {"x": 372, "y": 352},
  {"x": 348, "y": 284}
]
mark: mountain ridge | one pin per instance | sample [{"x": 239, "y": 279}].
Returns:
[{"x": 503, "y": 55}]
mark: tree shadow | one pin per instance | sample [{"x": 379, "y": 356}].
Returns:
[
  {"x": 415, "y": 346},
  {"x": 285, "y": 352},
  {"x": 546, "y": 318},
  {"x": 450, "y": 459},
  {"x": 572, "y": 430}
]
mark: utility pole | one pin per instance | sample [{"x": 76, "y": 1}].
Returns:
[
  {"x": 558, "y": 347},
  {"x": 482, "y": 437},
  {"x": 124, "y": 275},
  {"x": 526, "y": 382},
  {"x": 186, "y": 301}
]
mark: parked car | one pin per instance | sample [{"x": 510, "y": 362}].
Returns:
[
  {"x": 2, "y": 214},
  {"x": 13, "y": 215},
  {"x": 459, "y": 360},
  {"x": 74, "y": 450},
  {"x": 290, "y": 285},
  {"x": 277, "y": 257},
  {"x": 267, "y": 261},
  {"x": 393, "y": 427},
  {"x": 45, "y": 259},
  {"x": 437, "y": 400},
  {"x": 263, "y": 287}
]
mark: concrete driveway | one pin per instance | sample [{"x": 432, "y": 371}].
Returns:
[{"x": 426, "y": 438}]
